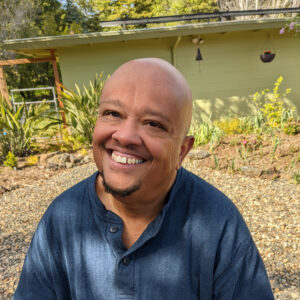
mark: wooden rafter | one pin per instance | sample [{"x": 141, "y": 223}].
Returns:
[{"x": 20, "y": 61}]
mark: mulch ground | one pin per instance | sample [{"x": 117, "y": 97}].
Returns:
[{"x": 270, "y": 208}]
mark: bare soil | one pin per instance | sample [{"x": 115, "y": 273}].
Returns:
[{"x": 269, "y": 157}]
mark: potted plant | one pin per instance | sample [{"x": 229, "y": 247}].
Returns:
[{"x": 268, "y": 56}]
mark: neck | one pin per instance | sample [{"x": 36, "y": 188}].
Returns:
[{"x": 136, "y": 211}]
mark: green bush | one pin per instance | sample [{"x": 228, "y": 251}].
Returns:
[
  {"x": 292, "y": 128},
  {"x": 81, "y": 109},
  {"x": 205, "y": 132},
  {"x": 11, "y": 160},
  {"x": 271, "y": 105},
  {"x": 32, "y": 160},
  {"x": 19, "y": 128},
  {"x": 229, "y": 126}
]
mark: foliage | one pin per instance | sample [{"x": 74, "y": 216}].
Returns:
[
  {"x": 81, "y": 109},
  {"x": 22, "y": 125},
  {"x": 271, "y": 104},
  {"x": 108, "y": 10},
  {"x": 292, "y": 127},
  {"x": 11, "y": 160},
  {"x": 83, "y": 152},
  {"x": 32, "y": 160},
  {"x": 230, "y": 126},
  {"x": 296, "y": 177},
  {"x": 293, "y": 25},
  {"x": 69, "y": 142},
  {"x": 30, "y": 18},
  {"x": 205, "y": 132}
]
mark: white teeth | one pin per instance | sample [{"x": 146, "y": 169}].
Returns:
[{"x": 125, "y": 160}]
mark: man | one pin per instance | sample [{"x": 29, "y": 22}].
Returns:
[{"x": 142, "y": 227}]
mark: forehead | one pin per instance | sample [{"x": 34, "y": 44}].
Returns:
[{"x": 144, "y": 87}]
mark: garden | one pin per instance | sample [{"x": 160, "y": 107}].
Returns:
[
  {"x": 264, "y": 144},
  {"x": 254, "y": 159}
]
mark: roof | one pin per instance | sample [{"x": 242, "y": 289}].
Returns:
[{"x": 39, "y": 46}]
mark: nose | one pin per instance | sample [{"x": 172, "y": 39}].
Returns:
[{"x": 127, "y": 134}]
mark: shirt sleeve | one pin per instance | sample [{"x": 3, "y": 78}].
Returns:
[
  {"x": 36, "y": 277},
  {"x": 244, "y": 278}
]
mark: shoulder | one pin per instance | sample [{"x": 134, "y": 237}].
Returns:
[
  {"x": 202, "y": 194},
  {"x": 71, "y": 203},
  {"x": 209, "y": 208}
]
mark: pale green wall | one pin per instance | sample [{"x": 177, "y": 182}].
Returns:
[
  {"x": 230, "y": 71},
  {"x": 79, "y": 64}
]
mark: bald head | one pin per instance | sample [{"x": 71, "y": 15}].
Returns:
[
  {"x": 159, "y": 75},
  {"x": 140, "y": 138}
]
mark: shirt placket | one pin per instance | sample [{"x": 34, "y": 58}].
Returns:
[{"x": 125, "y": 263}]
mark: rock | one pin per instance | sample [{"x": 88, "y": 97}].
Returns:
[
  {"x": 60, "y": 159},
  {"x": 70, "y": 165},
  {"x": 3, "y": 189},
  {"x": 198, "y": 154},
  {"x": 45, "y": 156},
  {"x": 74, "y": 159},
  {"x": 53, "y": 167},
  {"x": 271, "y": 173},
  {"x": 251, "y": 171},
  {"x": 86, "y": 159}
]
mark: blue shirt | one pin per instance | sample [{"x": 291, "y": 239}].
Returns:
[{"x": 197, "y": 248}]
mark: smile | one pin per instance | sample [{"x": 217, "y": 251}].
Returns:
[{"x": 125, "y": 160}]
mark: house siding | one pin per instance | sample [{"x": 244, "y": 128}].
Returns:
[{"x": 231, "y": 69}]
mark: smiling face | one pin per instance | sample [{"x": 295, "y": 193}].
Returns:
[{"x": 139, "y": 138}]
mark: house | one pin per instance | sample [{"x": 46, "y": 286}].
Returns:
[{"x": 230, "y": 69}]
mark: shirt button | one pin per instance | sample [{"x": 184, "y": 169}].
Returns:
[
  {"x": 126, "y": 261},
  {"x": 113, "y": 229}
]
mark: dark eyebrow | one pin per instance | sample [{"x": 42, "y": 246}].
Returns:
[{"x": 149, "y": 111}]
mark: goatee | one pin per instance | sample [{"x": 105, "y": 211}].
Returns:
[{"x": 116, "y": 192}]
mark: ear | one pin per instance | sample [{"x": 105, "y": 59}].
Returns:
[{"x": 186, "y": 146}]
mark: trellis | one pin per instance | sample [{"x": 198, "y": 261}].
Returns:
[{"x": 52, "y": 58}]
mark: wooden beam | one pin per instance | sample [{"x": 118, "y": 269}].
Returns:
[
  {"x": 24, "y": 61},
  {"x": 57, "y": 82},
  {"x": 3, "y": 87}
]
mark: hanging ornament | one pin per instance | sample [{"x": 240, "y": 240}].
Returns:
[
  {"x": 199, "y": 56},
  {"x": 197, "y": 41},
  {"x": 267, "y": 55}
]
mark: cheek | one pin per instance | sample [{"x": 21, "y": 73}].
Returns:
[
  {"x": 165, "y": 152},
  {"x": 101, "y": 133}
]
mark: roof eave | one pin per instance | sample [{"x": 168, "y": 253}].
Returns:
[{"x": 55, "y": 42}]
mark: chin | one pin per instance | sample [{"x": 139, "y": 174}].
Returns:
[{"x": 116, "y": 190}]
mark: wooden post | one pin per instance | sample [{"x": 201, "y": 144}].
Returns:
[
  {"x": 57, "y": 82},
  {"x": 3, "y": 87}
]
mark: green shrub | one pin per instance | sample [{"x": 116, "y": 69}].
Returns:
[
  {"x": 32, "y": 160},
  {"x": 292, "y": 128},
  {"x": 205, "y": 132},
  {"x": 11, "y": 160},
  {"x": 81, "y": 109},
  {"x": 296, "y": 177},
  {"x": 270, "y": 104},
  {"x": 19, "y": 128},
  {"x": 229, "y": 126}
]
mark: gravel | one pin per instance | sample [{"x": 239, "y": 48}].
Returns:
[{"x": 270, "y": 208}]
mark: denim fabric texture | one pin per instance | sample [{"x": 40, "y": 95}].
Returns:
[{"x": 199, "y": 247}]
